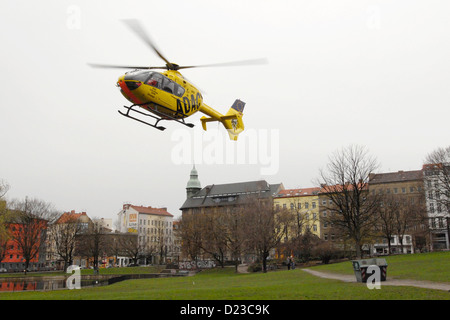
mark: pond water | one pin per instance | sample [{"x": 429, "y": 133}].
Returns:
[
  {"x": 11, "y": 285},
  {"x": 54, "y": 283}
]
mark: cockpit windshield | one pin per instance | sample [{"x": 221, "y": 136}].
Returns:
[
  {"x": 156, "y": 80},
  {"x": 138, "y": 75}
]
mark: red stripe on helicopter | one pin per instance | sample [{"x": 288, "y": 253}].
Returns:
[{"x": 127, "y": 91}]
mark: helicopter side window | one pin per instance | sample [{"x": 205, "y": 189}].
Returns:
[
  {"x": 173, "y": 87},
  {"x": 155, "y": 80},
  {"x": 179, "y": 90},
  {"x": 169, "y": 86}
]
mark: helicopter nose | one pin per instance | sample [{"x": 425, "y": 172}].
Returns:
[{"x": 127, "y": 87}]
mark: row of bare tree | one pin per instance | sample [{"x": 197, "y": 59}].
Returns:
[
  {"x": 360, "y": 215},
  {"x": 30, "y": 225},
  {"x": 256, "y": 228},
  {"x": 228, "y": 233},
  {"x": 355, "y": 214}
]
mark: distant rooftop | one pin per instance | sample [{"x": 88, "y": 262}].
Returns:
[
  {"x": 298, "y": 192},
  {"x": 150, "y": 210},
  {"x": 70, "y": 217},
  {"x": 231, "y": 193},
  {"x": 399, "y": 176}
]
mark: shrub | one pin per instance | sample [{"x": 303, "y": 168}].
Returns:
[
  {"x": 324, "y": 251},
  {"x": 255, "y": 267}
]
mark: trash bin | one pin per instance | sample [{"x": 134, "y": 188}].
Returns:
[{"x": 360, "y": 268}]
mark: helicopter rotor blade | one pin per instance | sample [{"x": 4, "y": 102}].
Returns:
[
  {"x": 229, "y": 64},
  {"x": 111, "y": 66},
  {"x": 136, "y": 27}
]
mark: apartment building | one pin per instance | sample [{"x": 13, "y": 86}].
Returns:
[
  {"x": 154, "y": 227},
  {"x": 404, "y": 192},
  {"x": 303, "y": 203},
  {"x": 437, "y": 195}
]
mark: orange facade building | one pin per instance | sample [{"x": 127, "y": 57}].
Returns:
[{"x": 13, "y": 259}]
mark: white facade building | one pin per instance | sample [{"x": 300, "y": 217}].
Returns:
[
  {"x": 437, "y": 200},
  {"x": 154, "y": 227},
  {"x": 396, "y": 245}
]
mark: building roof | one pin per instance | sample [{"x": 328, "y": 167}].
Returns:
[
  {"x": 150, "y": 210},
  {"x": 400, "y": 176},
  {"x": 70, "y": 217},
  {"x": 231, "y": 193},
  {"x": 336, "y": 188},
  {"x": 288, "y": 193}
]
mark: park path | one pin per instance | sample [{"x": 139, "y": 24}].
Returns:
[{"x": 388, "y": 282}]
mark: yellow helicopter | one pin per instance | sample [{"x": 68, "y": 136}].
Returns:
[{"x": 169, "y": 96}]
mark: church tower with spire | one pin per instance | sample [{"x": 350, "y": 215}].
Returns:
[{"x": 193, "y": 185}]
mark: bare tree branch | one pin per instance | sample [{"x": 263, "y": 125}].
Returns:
[{"x": 345, "y": 182}]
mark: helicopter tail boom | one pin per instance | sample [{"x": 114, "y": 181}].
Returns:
[{"x": 232, "y": 121}]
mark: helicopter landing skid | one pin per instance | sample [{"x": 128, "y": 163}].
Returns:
[
  {"x": 158, "y": 119},
  {"x": 155, "y": 125}
]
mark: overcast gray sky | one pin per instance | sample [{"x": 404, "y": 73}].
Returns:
[{"x": 374, "y": 73}]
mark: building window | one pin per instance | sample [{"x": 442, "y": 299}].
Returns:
[
  {"x": 403, "y": 190},
  {"x": 441, "y": 222},
  {"x": 395, "y": 190},
  {"x": 313, "y": 204}
]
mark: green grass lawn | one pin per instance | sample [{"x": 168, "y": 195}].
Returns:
[
  {"x": 433, "y": 266},
  {"x": 224, "y": 284}
]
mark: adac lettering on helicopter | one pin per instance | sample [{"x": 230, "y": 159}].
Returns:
[{"x": 188, "y": 105}]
